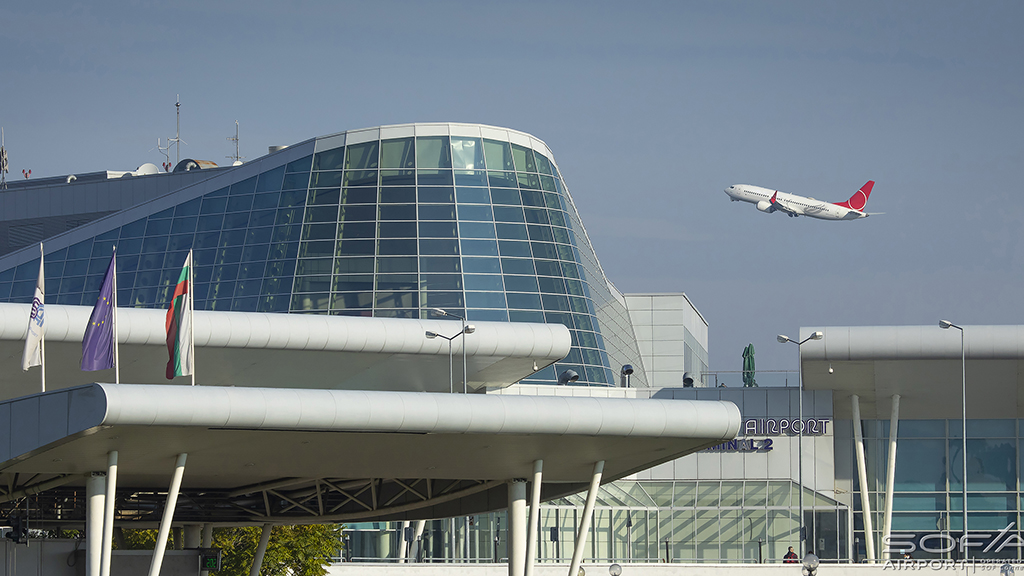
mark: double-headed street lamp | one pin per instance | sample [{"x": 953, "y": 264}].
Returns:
[
  {"x": 466, "y": 329},
  {"x": 800, "y": 441},
  {"x": 946, "y": 324}
]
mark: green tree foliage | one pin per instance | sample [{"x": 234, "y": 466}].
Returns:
[{"x": 292, "y": 551}]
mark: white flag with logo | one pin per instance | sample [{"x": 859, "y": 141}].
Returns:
[{"x": 33, "y": 343}]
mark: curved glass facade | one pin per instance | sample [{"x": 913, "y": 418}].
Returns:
[{"x": 388, "y": 222}]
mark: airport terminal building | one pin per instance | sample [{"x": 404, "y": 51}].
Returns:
[{"x": 317, "y": 268}]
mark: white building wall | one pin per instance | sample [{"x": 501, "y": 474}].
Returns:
[{"x": 672, "y": 337}]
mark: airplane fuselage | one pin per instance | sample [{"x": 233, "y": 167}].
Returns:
[{"x": 768, "y": 200}]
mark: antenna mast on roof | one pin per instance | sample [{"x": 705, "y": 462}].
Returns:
[
  {"x": 3, "y": 161},
  {"x": 177, "y": 135},
  {"x": 236, "y": 157}
]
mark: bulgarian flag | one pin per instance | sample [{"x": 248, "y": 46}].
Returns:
[{"x": 180, "y": 348}]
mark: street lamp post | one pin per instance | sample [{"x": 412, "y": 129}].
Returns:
[
  {"x": 451, "y": 370},
  {"x": 800, "y": 439},
  {"x": 466, "y": 329},
  {"x": 946, "y": 324}
]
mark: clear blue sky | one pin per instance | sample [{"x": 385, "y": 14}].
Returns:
[{"x": 651, "y": 109}]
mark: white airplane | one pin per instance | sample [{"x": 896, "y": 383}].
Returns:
[{"x": 774, "y": 201}]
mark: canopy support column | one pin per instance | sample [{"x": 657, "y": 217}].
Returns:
[
  {"x": 531, "y": 538},
  {"x": 890, "y": 473},
  {"x": 207, "y": 543},
  {"x": 862, "y": 473},
  {"x": 517, "y": 527},
  {"x": 165, "y": 521},
  {"x": 588, "y": 511},
  {"x": 403, "y": 546},
  {"x": 418, "y": 540},
  {"x": 108, "y": 513},
  {"x": 95, "y": 494},
  {"x": 261, "y": 550}
]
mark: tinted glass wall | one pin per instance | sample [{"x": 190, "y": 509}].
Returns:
[{"x": 481, "y": 227}]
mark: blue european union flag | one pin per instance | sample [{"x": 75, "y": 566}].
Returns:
[{"x": 98, "y": 343}]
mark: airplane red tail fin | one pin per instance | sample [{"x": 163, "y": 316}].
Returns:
[{"x": 860, "y": 198}]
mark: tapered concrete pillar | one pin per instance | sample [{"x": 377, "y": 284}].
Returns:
[
  {"x": 168, "y": 517},
  {"x": 890, "y": 471},
  {"x": 95, "y": 496},
  {"x": 193, "y": 535},
  {"x": 517, "y": 527},
  {"x": 862, "y": 473},
  {"x": 531, "y": 538},
  {"x": 108, "y": 512},
  {"x": 588, "y": 512},
  {"x": 261, "y": 550}
]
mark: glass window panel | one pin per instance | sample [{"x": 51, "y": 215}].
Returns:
[
  {"x": 397, "y": 282},
  {"x": 270, "y": 181},
  {"x": 397, "y": 153},
  {"x": 524, "y": 301},
  {"x": 236, "y": 220},
  {"x": 256, "y": 253},
  {"x": 508, "y": 214},
  {"x": 476, "y": 230},
  {"x": 434, "y": 177},
  {"x": 467, "y": 153},
  {"x": 262, "y": 218},
  {"x": 506, "y": 196},
  {"x": 523, "y": 315},
  {"x": 322, "y": 196},
  {"x": 485, "y": 300},
  {"x": 396, "y": 264},
  {"x": 561, "y": 235},
  {"x": 158, "y": 227},
  {"x": 547, "y": 183},
  {"x": 247, "y": 186},
  {"x": 437, "y": 212},
  {"x": 551, "y": 285},
  {"x": 439, "y": 247},
  {"x": 136, "y": 229},
  {"x": 184, "y": 225},
  {"x": 316, "y": 248},
  {"x": 283, "y": 249},
  {"x": 922, "y": 429},
  {"x": 353, "y": 266},
  {"x": 439, "y": 264},
  {"x": 359, "y": 196},
  {"x": 524, "y": 159},
  {"x": 481, "y": 213},
  {"x": 398, "y": 195},
  {"x": 481, "y": 265},
  {"x": 521, "y": 283},
  {"x": 543, "y": 250},
  {"x": 517, "y": 266},
  {"x": 353, "y": 301},
  {"x": 543, "y": 165},
  {"x": 355, "y": 247},
  {"x": 329, "y": 159},
  {"x": 479, "y": 247},
  {"x": 352, "y": 283},
  {"x": 446, "y": 300},
  {"x": 396, "y": 300},
  {"x": 471, "y": 178},
  {"x": 439, "y": 194},
  {"x": 536, "y": 215},
  {"x": 360, "y": 178},
  {"x": 298, "y": 181},
  {"x": 312, "y": 283},
  {"x": 437, "y": 229},
  {"x": 441, "y": 281},
  {"x": 357, "y": 213},
  {"x": 319, "y": 231},
  {"x": 398, "y": 212},
  {"x": 498, "y": 155},
  {"x": 487, "y": 282},
  {"x": 362, "y": 156},
  {"x": 397, "y": 247},
  {"x": 514, "y": 248},
  {"x": 919, "y": 464},
  {"x": 994, "y": 428},
  {"x": 310, "y": 301},
  {"x": 313, "y": 266},
  {"x": 322, "y": 214},
  {"x": 551, "y": 200},
  {"x": 502, "y": 180},
  {"x": 485, "y": 315},
  {"x": 300, "y": 165},
  {"x": 532, "y": 198},
  {"x": 357, "y": 230},
  {"x": 512, "y": 232},
  {"x": 433, "y": 152},
  {"x": 397, "y": 177},
  {"x": 548, "y": 268},
  {"x": 397, "y": 230},
  {"x": 472, "y": 195},
  {"x": 540, "y": 233},
  {"x": 292, "y": 198}
]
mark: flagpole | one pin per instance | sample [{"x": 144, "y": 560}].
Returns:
[
  {"x": 42, "y": 337},
  {"x": 191, "y": 319},
  {"x": 117, "y": 365}
]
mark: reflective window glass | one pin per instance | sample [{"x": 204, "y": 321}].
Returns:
[
  {"x": 481, "y": 265},
  {"x": 524, "y": 301},
  {"x": 440, "y": 264},
  {"x": 508, "y": 214},
  {"x": 358, "y": 213},
  {"x": 398, "y": 212},
  {"x": 397, "y": 177},
  {"x": 247, "y": 186},
  {"x": 322, "y": 214},
  {"x": 292, "y": 198},
  {"x": 136, "y": 229},
  {"x": 300, "y": 165},
  {"x": 536, "y": 215},
  {"x": 466, "y": 195},
  {"x": 485, "y": 300},
  {"x": 524, "y": 159},
  {"x": 157, "y": 227},
  {"x": 437, "y": 229},
  {"x": 443, "y": 194},
  {"x": 329, "y": 159},
  {"x": 353, "y": 283},
  {"x": 476, "y": 230},
  {"x": 433, "y": 152},
  {"x": 467, "y": 153},
  {"x": 523, "y": 315},
  {"x": 517, "y": 266},
  {"x": 357, "y": 230},
  {"x": 506, "y": 196},
  {"x": 353, "y": 266},
  {"x": 355, "y": 247},
  {"x": 359, "y": 196},
  {"x": 396, "y": 264},
  {"x": 441, "y": 281},
  {"x": 397, "y": 153},
  {"x": 397, "y": 247},
  {"x": 439, "y": 247},
  {"x": 434, "y": 177},
  {"x": 498, "y": 154},
  {"x": 479, "y": 247},
  {"x": 400, "y": 195},
  {"x": 543, "y": 165},
  {"x": 190, "y": 208},
  {"x": 270, "y": 181},
  {"x": 511, "y": 231},
  {"x": 437, "y": 211},
  {"x": 451, "y": 301},
  {"x": 513, "y": 248},
  {"x": 521, "y": 284},
  {"x": 322, "y": 196},
  {"x": 470, "y": 178},
  {"x": 477, "y": 212},
  {"x": 362, "y": 156}
]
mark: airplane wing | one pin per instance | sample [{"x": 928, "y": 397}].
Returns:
[{"x": 781, "y": 205}]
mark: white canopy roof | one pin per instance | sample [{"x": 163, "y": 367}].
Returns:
[{"x": 286, "y": 350}]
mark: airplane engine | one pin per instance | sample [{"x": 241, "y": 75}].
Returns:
[{"x": 765, "y": 206}]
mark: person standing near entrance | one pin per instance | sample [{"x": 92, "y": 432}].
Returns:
[{"x": 790, "y": 557}]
